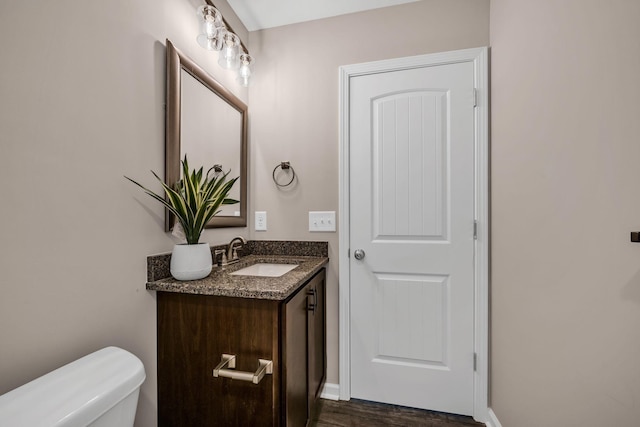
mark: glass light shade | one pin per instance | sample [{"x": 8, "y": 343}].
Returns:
[
  {"x": 229, "y": 54},
  {"x": 214, "y": 43},
  {"x": 244, "y": 73},
  {"x": 211, "y": 28}
]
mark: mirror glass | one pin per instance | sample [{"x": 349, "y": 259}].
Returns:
[{"x": 209, "y": 124}]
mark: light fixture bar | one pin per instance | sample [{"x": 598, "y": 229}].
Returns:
[{"x": 210, "y": 3}]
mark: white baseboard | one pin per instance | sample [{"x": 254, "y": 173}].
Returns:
[
  {"x": 493, "y": 420},
  {"x": 330, "y": 391}
]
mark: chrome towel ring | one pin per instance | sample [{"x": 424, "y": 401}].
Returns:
[{"x": 285, "y": 166}]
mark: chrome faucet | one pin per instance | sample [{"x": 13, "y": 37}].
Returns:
[{"x": 232, "y": 254}]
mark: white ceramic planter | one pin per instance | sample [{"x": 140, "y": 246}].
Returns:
[{"x": 191, "y": 262}]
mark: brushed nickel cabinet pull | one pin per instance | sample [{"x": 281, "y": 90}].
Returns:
[
  {"x": 226, "y": 368},
  {"x": 311, "y": 306}
]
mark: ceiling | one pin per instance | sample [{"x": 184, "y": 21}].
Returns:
[{"x": 260, "y": 14}]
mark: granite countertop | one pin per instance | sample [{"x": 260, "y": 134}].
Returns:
[{"x": 221, "y": 283}]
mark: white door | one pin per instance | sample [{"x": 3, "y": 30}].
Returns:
[{"x": 412, "y": 216}]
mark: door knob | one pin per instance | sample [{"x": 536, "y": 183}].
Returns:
[{"x": 358, "y": 254}]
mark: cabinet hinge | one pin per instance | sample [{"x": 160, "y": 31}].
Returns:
[
  {"x": 475, "y": 230},
  {"x": 475, "y": 97},
  {"x": 349, "y": 253},
  {"x": 475, "y": 362}
]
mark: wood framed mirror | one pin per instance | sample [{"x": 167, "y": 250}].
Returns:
[{"x": 209, "y": 124}]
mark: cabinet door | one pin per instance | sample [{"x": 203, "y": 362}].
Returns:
[
  {"x": 316, "y": 313},
  {"x": 294, "y": 366},
  {"x": 193, "y": 332}
]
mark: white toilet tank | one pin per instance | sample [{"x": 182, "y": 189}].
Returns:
[{"x": 98, "y": 390}]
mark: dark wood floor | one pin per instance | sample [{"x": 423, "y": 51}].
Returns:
[{"x": 355, "y": 413}]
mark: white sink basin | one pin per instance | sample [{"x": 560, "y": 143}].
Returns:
[{"x": 265, "y": 270}]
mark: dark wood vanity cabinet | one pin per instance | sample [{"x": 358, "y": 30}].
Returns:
[
  {"x": 304, "y": 323},
  {"x": 194, "y": 331}
]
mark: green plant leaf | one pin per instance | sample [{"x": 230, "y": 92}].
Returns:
[{"x": 195, "y": 198}]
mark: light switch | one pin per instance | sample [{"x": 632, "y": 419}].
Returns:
[
  {"x": 322, "y": 221},
  {"x": 261, "y": 221}
]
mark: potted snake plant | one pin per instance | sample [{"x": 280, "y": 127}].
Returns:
[{"x": 194, "y": 200}]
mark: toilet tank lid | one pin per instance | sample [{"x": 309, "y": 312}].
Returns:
[{"x": 75, "y": 394}]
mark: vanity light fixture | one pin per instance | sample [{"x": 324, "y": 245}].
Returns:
[
  {"x": 244, "y": 73},
  {"x": 217, "y": 35},
  {"x": 229, "y": 54},
  {"x": 212, "y": 29}
]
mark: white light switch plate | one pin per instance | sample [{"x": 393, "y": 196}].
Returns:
[
  {"x": 322, "y": 221},
  {"x": 261, "y": 221}
]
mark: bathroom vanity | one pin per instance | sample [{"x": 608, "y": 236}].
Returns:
[{"x": 239, "y": 350}]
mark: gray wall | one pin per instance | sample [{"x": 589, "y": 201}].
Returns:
[
  {"x": 81, "y": 104},
  {"x": 565, "y": 149}
]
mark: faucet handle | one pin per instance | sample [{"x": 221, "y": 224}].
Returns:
[{"x": 223, "y": 261}]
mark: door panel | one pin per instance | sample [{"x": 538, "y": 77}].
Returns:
[
  {"x": 409, "y": 159},
  {"x": 412, "y": 212},
  {"x": 412, "y": 313}
]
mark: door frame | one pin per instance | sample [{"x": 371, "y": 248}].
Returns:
[{"x": 480, "y": 58}]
